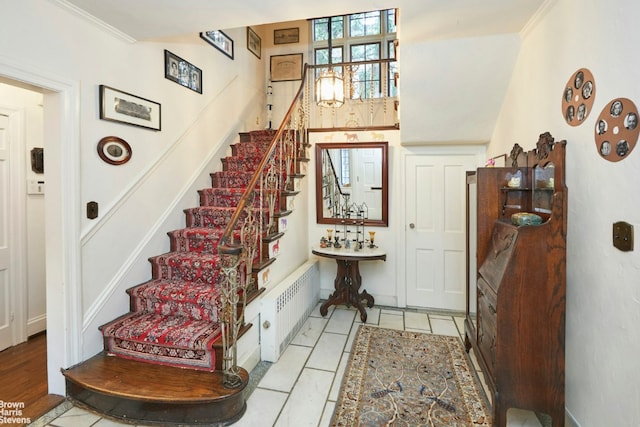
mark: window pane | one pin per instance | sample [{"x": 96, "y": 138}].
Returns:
[
  {"x": 357, "y": 53},
  {"x": 321, "y": 29},
  {"x": 356, "y": 25},
  {"x": 373, "y": 51},
  {"x": 363, "y": 52},
  {"x": 345, "y": 168},
  {"x": 391, "y": 21},
  {"x": 337, "y": 27},
  {"x": 364, "y": 24},
  {"x": 392, "y": 69},
  {"x": 372, "y": 25},
  {"x": 337, "y": 54},
  {"x": 322, "y": 55}
]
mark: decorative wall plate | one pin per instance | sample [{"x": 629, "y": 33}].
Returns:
[
  {"x": 616, "y": 131},
  {"x": 578, "y": 96},
  {"x": 114, "y": 150}
]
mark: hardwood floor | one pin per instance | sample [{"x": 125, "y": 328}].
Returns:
[{"x": 23, "y": 369}]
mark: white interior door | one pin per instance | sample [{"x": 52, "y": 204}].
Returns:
[
  {"x": 6, "y": 297},
  {"x": 435, "y": 230}
]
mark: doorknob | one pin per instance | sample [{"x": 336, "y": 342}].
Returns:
[{"x": 412, "y": 226}]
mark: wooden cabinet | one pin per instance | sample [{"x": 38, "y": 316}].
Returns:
[{"x": 516, "y": 305}]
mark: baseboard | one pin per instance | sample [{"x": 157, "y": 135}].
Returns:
[
  {"x": 36, "y": 325},
  {"x": 570, "y": 420}
]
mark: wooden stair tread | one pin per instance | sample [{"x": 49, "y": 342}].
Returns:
[{"x": 149, "y": 382}]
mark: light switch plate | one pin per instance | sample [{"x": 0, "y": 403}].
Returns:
[{"x": 623, "y": 236}]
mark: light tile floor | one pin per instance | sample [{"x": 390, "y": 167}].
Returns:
[{"x": 301, "y": 389}]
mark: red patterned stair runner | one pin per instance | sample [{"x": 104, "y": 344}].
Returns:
[{"x": 175, "y": 316}]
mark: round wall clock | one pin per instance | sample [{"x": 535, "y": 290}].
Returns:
[
  {"x": 114, "y": 150},
  {"x": 616, "y": 130},
  {"x": 578, "y": 96}
]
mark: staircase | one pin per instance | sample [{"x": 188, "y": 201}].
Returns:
[{"x": 170, "y": 359}]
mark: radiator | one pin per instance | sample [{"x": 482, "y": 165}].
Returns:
[{"x": 285, "y": 308}]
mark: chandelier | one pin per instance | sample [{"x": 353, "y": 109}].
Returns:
[{"x": 330, "y": 85}]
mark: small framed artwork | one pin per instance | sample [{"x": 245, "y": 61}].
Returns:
[
  {"x": 114, "y": 150},
  {"x": 286, "y": 68},
  {"x": 254, "y": 42},
  {"x": 182, "y": 72},
  {"x": 616, "y": 131},
  {"x": 286, "y": 35},
  {"x": 578, "y": 96},
  {"x": 220, "y": 41},
  {"x": 123, "y": 107}
]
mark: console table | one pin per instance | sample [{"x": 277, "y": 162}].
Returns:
[{"x": 348, "y": 280}]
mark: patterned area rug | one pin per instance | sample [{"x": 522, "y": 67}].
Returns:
[{"x": 404, "y": 379}]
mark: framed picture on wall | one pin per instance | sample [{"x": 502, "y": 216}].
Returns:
[
  {"x": 123, "y": 107},
  {"x": 254, "y": 42},
  {"x": 286, "y": 68},
  {"x": 219, "y": 40},
  {"x": 286, "y": 35},
  {"x": 114, "y": 150},
  {"x": 182, "y": 72}
]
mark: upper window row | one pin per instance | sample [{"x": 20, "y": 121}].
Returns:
[
  {"x": 358, "y": 37},
  {"x": 379, "y": 22}
]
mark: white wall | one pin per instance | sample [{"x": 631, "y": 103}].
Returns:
[
  {"x": 603, "y": 296},
  {"x": 283, "y": 92},
  {"x": 451, "y": 90}
]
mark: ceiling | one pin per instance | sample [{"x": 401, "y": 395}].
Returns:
[{"x": 440, "y": 19}]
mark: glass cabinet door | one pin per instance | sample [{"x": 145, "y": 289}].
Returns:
[{"x": 543, "y": 188}]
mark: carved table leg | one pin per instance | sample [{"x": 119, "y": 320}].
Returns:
[{"x": 347, "y": 284}]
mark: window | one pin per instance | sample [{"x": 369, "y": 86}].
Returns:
[
  {"x": 359, "y": 37},
  {"x": 345, "y": 168}
]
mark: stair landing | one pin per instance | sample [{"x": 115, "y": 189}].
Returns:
[{"x": 156, "y": 394}]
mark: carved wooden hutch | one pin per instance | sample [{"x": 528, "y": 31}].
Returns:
[{"x": 515, "y": 318}]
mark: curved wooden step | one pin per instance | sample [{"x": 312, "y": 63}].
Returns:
[{"x": 154, "y": 394}]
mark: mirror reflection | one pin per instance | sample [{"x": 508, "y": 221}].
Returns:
[{"x": 351, "y": 182}]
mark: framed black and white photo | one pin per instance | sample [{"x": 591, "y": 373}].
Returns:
[
  {"x": 254, "y": 42},
  {"x": 123, "y": 107},
  {"x": 286, "y": 68},
  {"x": 220, "y": 41},
  {"x": 182, "y": 72},
  {"x": 114, "y": 150},
  {"x": 286, "y": 35}
]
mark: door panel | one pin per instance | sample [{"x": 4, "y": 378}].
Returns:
[
  {"x": 367, "y": 185},
  {"x": 435, "y": 230},
  {"x": 6, "y": 331}
]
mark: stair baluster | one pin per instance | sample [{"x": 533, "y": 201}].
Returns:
[{"x": 279, "y": 158}]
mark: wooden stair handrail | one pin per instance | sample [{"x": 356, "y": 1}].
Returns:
[{"x": 226, "y": 246}]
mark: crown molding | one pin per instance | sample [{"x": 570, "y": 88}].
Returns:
[
  {"x": 94, "y": 21},
  {"x": 536, "y": 18}
]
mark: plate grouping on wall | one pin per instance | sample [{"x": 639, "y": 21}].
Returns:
[
  {"x": 616, "y": 130},
  {"x": 578, "y": 96}
]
